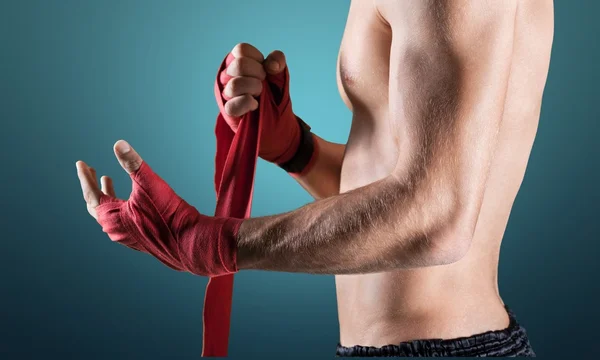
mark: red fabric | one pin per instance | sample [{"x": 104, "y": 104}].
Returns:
[
  {"x": 157, "y": 221},
  {"x": 280, "y": 134},
  {"x": 238, "y": 140}
]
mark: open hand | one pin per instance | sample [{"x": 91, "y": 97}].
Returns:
[
  {"x": 155, "y": 220},
  {"x": 93, "y": 194}
]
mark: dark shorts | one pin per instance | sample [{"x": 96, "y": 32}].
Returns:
[{"x": 511, "y": 341}]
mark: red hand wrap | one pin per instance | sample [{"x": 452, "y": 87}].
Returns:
[
  {"x": 238, "y": 142},
  {"x": 280, "y": 135},
  {"x": 157, "y": 221}
]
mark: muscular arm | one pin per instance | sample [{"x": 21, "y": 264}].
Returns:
[{"x": 449, "y": 69}]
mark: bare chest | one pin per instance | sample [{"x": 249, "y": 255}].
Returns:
[
  {"x": 363, "y": 84},
  {"x": 363, "y": 62}
]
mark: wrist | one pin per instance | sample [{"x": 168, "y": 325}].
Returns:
[
  {"x": 305, "y": 153},
  {"x": 206, "y": 245},
  {"x": 250, "y": 250},
  {"x": 228, "y": 247},
  {"x": 288, "y": 138}
]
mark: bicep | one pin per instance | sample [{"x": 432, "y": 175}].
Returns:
[{"x": 449, "y": 69}]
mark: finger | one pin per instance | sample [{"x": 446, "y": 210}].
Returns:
[
  {"x": 107, "y": 186},
  {"x": 246, "y": 67},
  {"x": 128, "y": 158},
  {"x": 247, "y": 50},
  {"x": 89, "y": 187},
  {"x": 275, "y": 62},
  {"x": 242, "y": 85},
  {"x": 93, "y": 171},
  {"x": 240, "y": 105}
]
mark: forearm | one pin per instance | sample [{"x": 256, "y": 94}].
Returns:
[
  {"x": 322, "y": 180},
  {"x": 447, "y": 98},
  {"x": 383, "y": 226}
]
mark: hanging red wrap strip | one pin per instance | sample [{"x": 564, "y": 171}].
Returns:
[{"x": 236, "y": 157}]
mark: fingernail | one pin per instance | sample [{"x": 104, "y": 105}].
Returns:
[
  {"x": 123, "y": 147},
  {"x": 273, "y": 65}
]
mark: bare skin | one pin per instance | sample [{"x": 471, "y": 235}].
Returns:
[
  {"x": 410, "y": 213},
  {"x": 411, "y": 300}
]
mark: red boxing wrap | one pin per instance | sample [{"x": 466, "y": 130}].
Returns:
[
  {"x": 238, "y": 140},
  {"x": 157, "y": 221},
  {"x": 280, "y": 134}
]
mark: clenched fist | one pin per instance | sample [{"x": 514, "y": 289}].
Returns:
[
  {"x": 244, "y": 76},
  {"x": 242, "y": 81}
]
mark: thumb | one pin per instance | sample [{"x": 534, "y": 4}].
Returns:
[
  {"x": 275, "y": 63},
  {"x": 128, "y": 158}
]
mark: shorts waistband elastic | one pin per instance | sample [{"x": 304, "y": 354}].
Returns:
[{"x": 511, "y": 341}]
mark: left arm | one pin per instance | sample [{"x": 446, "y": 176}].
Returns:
[
  {"x": 449, "y": 69},
  {"x": 448, "y": 82}
]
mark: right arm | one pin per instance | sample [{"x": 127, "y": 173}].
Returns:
[
  {"x": 247, "y": 71},
  {"x": 323, "y": 179}
]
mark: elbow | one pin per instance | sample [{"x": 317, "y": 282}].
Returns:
[
  {"x": 441, "y": 226},
  {"x": 453, "y": 238},
  {"x": 450, "y": 249}
]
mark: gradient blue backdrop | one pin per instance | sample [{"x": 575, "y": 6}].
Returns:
[{"x": 78, "y": 75}]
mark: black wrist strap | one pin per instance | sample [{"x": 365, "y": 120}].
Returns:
[{"x": 305, "y": 150}]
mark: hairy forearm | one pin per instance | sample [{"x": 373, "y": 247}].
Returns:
[
  {"x": 447, "y": 99},
  {"x": 323, "y": 179},
  {"x": 379, "y": 227}
]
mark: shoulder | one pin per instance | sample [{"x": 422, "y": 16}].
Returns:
[
  {"x": 450, "y": 18},
  {"x": 466, "y": 31}
]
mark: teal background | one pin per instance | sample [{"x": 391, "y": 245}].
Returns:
[{"x": 75, "y": 76}]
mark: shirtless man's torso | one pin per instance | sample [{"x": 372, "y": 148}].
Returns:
[
  {"x": 410, "y": 213},
  {"x": 461, "y": 298}
]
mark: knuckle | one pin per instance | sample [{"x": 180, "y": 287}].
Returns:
[
  {"x": 227, "y": 93},
  {"x": 240, "y": 48},
  {"x": 235, "y": 86},
  {"x": 245, "y": 65},
  {"x": 230, "y": 108},
  {"x": 276, "y": 55},
  {"x": 132, "y": 164},
  {"x": 90, "y": 198},
  {"x": 235, "y": 68},
  {"x": 240, "y": 105}
]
